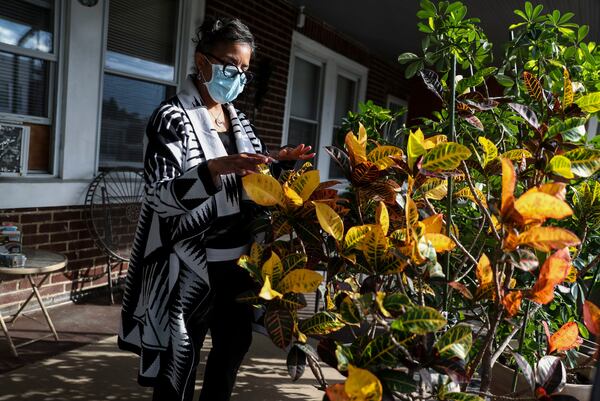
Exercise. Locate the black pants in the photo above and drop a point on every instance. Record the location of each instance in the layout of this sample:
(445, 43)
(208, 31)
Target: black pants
(230, 325)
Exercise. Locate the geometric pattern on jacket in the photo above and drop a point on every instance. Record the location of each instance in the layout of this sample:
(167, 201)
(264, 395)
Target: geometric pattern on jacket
(167, 280)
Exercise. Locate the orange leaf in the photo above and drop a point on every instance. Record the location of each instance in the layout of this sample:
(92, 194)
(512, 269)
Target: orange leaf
(546, 239)
(336, 392)
(566, 338)
(509, 180)
(539, 206)
(512, 302)
(591, 317)
(433, 224)
(511, 241)
(557, 189)
(484, 272)
(534, 87)
(440, 242)
(460, 287)
(553, 272)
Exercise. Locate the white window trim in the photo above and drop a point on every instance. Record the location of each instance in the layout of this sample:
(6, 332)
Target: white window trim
(55, 92)
(334, 64)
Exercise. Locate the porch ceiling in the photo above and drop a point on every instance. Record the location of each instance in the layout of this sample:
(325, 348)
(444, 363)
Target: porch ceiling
(388, 27)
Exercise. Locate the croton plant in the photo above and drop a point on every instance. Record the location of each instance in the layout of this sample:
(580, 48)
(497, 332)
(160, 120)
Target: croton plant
(439, 258)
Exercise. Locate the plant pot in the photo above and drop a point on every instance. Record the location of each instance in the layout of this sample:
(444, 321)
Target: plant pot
(503, 378)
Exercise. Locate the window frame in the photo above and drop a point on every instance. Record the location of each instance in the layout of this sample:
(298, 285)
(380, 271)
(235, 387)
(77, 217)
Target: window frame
(56, 84)
(175, 82)
(334, 64)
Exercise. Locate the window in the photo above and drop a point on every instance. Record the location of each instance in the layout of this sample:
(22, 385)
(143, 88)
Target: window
(322, 87)
(140, 71)
(395, 104)
(28, 65)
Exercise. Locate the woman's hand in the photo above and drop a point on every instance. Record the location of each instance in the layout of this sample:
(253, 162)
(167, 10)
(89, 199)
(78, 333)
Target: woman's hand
(240, 164)
(300, 152)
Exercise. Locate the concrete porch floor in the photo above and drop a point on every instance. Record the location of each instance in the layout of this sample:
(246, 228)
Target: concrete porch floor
(86, 363)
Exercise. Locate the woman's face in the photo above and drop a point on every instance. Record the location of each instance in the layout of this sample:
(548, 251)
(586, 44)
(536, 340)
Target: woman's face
(238, 54)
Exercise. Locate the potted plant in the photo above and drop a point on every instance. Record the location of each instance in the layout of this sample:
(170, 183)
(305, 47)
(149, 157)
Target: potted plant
(443, 255)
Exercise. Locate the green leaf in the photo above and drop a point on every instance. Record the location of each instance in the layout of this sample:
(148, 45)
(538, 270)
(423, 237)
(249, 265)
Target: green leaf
(245, 262)
(560, 165)
(589, 103)
(397, 381)
(379, 352)
(490, 150)
(296, 363)
(572, 129)
(413, 68)
(280, 325)
(396, 303)
(445, 156)
(321, 323)
(420, 320)
(407, 57)
(349, 311)
(456, 342)
(584, 161)
(293, 261)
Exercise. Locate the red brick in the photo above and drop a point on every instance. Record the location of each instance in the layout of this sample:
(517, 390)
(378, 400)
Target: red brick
(78, 225)
(64, 236)
(8, 286)
(10, 218)
(35, 239)
(28, 229)
(55, 247)
(70, 215)
(36, 217)
(90, 253)
(53, 227)
(81, 244)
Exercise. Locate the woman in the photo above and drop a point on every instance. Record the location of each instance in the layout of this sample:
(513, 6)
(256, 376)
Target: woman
(182, 278)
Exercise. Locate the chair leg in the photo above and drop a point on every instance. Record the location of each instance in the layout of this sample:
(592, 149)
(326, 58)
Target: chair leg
(13, 349)
(110, 283)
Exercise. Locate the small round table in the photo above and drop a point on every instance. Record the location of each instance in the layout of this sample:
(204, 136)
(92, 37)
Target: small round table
(38, 262)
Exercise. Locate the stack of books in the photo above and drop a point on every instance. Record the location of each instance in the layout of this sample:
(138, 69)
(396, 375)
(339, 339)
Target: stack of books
(11, 245)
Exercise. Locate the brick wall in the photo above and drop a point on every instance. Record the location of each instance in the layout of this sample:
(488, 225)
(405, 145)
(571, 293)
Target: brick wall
(62, 230)
(272, 23)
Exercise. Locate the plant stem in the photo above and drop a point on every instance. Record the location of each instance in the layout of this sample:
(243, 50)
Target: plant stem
(521, 340)
(452, 79)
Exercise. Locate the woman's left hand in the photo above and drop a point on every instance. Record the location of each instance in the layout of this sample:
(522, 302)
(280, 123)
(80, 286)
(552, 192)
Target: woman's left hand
(300, 152)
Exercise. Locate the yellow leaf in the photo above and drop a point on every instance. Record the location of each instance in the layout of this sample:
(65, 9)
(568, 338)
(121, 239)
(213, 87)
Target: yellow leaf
(556, 189)
(445, 156)
(434, 224)
(292, 198)
(382, 217)
(379, 297)
(467, 194)
(300, 281)
(375, 247)
(517, 155)
(411, 212)
(512, 302)
(568, 90)
(273, 268)
(546, 239)
(415, 146)
(356, 235)
(490, 150)
(357, 150)
(534, 87)
(431, 142)
(540, 206)
(267, 292)
(560, 165)
(440, 242)
(263, 189)
(434, 188)
(306, 184)
(256, 252)
(381, 156)
(362, 134)
(330, 221)
(362, 385)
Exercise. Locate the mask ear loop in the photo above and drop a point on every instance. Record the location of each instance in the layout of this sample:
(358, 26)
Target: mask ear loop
(200, 75)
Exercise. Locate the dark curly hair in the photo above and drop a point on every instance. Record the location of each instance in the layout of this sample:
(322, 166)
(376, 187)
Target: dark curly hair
(215, 31)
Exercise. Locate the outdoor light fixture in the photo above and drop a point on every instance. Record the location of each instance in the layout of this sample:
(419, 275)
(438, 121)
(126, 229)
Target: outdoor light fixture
(88, 3)
(301, 18)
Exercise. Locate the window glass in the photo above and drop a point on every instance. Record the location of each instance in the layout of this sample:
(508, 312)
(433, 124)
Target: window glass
(27, 24)
(23, 85)
(142, 37)
(126, 108)
(305, 90)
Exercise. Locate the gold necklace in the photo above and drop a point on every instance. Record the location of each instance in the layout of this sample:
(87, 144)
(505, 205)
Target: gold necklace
(218, 120)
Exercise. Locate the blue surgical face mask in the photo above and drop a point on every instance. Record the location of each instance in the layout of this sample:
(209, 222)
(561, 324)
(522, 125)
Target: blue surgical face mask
(223, 89)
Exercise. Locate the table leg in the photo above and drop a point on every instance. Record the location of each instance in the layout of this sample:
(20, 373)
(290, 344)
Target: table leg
(39, 298)
(24, 304)
(10, 343)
